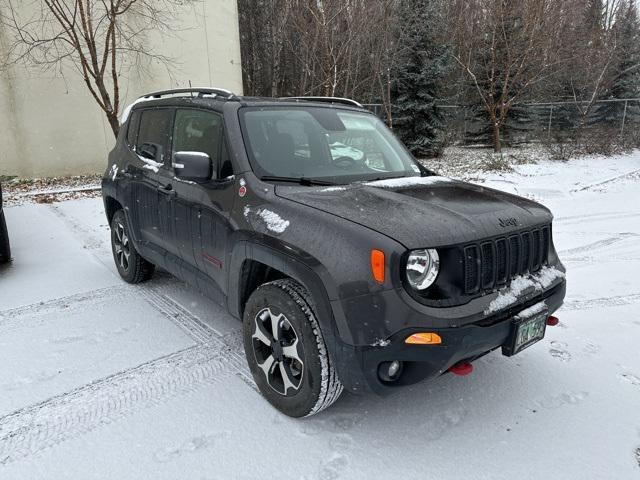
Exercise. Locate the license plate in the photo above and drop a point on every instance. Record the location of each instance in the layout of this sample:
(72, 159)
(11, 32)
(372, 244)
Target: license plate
(525, 332)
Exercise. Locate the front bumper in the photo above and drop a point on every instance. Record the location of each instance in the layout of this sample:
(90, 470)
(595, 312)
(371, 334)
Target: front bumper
(358, 365)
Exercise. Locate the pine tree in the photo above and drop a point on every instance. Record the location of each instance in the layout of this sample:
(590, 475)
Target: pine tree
(417, 79)
(625, 71)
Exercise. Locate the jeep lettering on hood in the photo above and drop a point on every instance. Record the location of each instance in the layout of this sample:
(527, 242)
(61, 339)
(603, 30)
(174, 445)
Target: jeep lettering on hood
(424, 214)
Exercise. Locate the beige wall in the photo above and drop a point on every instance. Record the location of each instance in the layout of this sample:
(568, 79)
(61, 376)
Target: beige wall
(50, 125)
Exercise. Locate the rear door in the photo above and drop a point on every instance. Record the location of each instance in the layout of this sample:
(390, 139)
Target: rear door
(149, 151)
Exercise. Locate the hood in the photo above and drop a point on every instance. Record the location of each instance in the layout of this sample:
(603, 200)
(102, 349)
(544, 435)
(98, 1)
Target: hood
(424, 212)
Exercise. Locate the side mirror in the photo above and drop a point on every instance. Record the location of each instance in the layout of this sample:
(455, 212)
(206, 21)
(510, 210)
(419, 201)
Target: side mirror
(151, 151)
(193, 166)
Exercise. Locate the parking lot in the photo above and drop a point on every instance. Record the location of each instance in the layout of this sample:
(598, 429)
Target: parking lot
(101, 379)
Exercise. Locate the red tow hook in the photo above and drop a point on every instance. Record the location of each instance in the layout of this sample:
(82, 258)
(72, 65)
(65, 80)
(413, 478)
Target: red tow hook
(553, 321)
(461, 369)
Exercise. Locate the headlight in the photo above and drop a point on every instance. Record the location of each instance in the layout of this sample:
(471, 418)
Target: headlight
(422, 268)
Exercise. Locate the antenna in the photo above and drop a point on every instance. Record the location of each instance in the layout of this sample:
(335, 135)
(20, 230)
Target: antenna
(191, 88)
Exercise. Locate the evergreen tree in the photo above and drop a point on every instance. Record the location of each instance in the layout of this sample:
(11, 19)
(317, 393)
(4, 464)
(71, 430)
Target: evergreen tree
(417, 79)
(625, 71)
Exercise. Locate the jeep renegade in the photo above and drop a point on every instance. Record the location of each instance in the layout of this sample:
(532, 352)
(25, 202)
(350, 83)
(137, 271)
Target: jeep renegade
(350, 264)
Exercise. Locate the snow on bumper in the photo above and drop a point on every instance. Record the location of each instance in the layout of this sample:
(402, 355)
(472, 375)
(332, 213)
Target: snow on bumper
(522, 284)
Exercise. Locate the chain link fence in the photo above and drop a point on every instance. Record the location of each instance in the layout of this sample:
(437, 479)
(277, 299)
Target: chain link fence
(615, 121)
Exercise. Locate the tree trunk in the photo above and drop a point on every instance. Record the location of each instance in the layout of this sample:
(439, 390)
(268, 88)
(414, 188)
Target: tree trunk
(497, 147)
(114, 122)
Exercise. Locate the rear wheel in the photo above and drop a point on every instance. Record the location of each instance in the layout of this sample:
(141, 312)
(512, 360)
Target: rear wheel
(131, 266)
(5, 249)
(286, 351)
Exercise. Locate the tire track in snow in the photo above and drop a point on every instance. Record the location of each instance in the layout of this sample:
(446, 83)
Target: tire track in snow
(605, 242)
(62, 302)
(89, 239)
(603, 302)
(66, 416)
(606, 181)
(596, 217)
(37, 427)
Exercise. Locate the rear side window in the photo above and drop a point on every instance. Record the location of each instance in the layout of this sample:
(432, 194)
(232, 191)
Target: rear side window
(198, 131)
(155, 129)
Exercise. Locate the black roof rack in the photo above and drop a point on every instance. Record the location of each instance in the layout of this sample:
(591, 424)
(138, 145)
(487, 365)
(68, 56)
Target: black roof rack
(201, 92)
(346, 101)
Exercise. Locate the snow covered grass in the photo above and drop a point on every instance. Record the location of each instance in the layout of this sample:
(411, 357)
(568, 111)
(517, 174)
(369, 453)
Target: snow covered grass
(101, 379)
(470, 162)
(17, 191)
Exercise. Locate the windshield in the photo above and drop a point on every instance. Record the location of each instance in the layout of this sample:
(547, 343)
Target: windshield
(323, 143)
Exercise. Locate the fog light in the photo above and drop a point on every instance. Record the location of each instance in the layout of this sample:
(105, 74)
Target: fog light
(390, 371)
(394, 368)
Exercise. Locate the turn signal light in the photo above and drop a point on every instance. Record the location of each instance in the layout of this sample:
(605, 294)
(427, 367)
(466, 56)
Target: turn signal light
(377, 265)
(424, 338)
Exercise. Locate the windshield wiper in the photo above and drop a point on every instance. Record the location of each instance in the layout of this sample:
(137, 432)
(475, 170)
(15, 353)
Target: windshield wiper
(299, 180)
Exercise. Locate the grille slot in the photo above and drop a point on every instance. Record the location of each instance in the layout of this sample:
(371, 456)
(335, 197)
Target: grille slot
(488, 265)
(514, 255)
(536, 250)
(526, 252)
(502, 257)
(471, 269)
(493, 263)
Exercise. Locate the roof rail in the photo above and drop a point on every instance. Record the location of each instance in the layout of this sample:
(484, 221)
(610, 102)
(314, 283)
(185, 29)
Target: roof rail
(201, 92)
(346, 101)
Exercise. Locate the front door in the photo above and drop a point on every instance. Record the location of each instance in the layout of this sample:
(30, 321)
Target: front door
(202, 210)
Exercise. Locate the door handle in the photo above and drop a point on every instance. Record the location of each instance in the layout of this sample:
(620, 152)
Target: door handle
(167, 190)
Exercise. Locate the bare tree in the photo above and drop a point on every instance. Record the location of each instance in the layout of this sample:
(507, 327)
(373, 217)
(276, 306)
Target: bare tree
(100, 39)
(506, 47)
(319, 47)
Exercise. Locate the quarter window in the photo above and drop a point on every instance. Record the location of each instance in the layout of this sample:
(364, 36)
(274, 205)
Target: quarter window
(132, 131)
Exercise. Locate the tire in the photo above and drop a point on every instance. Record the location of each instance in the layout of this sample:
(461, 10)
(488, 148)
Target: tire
(131, 266)
(312, 381)
(5, 249)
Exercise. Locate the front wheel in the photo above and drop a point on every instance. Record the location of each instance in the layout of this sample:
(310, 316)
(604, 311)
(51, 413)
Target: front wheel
(286, 351)
(131, 266)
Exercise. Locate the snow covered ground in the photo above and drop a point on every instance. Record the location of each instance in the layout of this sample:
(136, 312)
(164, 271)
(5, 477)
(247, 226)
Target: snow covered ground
(100, 379)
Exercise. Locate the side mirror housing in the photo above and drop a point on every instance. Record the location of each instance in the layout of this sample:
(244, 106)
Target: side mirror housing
(196, 166)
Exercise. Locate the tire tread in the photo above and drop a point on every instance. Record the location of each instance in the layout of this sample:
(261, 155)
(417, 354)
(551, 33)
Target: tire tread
(331, 387)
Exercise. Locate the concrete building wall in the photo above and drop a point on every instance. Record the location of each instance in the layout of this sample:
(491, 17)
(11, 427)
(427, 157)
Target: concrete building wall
(51, 126)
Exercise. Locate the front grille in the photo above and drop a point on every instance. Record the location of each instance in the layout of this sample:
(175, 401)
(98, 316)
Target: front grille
(493, 263)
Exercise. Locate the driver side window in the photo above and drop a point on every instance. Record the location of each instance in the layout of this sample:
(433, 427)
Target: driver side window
(200, 131)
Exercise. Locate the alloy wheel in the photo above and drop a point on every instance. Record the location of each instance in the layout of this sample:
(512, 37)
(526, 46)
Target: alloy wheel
(277, 350)
(122, 247)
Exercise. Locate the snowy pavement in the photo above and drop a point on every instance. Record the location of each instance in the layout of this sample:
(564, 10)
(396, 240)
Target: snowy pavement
(100, 379)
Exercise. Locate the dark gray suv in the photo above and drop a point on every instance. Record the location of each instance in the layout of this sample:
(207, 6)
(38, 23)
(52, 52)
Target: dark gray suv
(350, 264)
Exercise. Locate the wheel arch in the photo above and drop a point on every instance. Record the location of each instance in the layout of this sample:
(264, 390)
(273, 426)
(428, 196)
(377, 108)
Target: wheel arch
(253, 264)
(111, 206)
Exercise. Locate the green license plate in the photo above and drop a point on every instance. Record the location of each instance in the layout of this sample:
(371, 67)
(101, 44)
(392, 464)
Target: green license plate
(525, 332)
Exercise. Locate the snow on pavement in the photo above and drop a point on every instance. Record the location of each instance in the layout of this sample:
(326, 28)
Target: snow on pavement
(105, 380)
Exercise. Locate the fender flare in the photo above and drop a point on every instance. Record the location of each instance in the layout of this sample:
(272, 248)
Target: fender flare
(317, 281)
